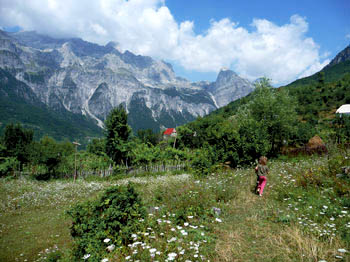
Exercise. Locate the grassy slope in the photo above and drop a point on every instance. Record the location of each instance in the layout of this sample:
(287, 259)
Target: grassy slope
(271, 228)
(256, 229)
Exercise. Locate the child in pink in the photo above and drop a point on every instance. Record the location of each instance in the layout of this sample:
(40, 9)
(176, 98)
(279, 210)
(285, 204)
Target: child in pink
(261, 171)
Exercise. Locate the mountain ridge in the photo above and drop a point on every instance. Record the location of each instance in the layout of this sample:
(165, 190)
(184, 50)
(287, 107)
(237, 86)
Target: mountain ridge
(67, 74)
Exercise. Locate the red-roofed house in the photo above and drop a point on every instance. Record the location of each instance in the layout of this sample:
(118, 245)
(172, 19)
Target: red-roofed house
(169, 132)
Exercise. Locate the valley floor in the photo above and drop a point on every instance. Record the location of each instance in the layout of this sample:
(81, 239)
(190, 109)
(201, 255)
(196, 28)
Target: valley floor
(289, 223)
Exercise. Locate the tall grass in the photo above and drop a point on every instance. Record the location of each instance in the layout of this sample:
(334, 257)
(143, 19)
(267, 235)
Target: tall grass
(303, 216)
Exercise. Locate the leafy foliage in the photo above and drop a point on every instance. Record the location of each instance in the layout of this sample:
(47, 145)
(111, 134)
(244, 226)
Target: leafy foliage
(259, 126)
(53, 156)
(17, 141)
(148, 136)
(97, 146)
(8, 165)
(117, 134)
(342, 127)
(115, 215)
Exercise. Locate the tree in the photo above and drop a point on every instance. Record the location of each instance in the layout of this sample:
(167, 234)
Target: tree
(147, 136)
(117, 135)
(97, 146)
(17, 141)
(52, 155)
(275, 111)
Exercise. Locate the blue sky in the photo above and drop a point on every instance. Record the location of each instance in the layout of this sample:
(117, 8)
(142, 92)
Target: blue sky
(283, 40)
(329, 20)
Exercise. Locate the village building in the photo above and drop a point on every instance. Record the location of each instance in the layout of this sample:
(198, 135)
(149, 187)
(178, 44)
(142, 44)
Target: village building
(169, 132)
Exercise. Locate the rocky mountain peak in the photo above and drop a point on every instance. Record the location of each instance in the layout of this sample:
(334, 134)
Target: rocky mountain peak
(225, 75)
(90, 79)
(341, 57)
(114, 45)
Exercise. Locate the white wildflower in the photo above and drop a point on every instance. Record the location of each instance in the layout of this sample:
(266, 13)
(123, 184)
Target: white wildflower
(111, 248)
(172, 239)
(184, 233)
(171, 256)
(86, 256)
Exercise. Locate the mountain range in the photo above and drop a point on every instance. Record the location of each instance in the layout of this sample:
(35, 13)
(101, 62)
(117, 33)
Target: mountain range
(82, 80)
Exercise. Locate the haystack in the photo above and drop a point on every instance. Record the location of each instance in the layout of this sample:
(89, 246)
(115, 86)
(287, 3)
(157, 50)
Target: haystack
(316, 146)
(315, 142)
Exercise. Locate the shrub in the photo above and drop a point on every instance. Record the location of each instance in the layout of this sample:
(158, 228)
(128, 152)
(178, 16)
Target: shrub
(8, 165)
(202, 161)
(115, 215)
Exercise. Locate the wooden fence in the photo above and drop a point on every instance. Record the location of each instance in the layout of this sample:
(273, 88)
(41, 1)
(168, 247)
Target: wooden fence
(133, 170)
(176, 166)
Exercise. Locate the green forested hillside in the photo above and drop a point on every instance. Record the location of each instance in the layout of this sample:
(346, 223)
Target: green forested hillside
(269, 119)
(317, 98)
(318, 95)
(18, 103)
(331, 74)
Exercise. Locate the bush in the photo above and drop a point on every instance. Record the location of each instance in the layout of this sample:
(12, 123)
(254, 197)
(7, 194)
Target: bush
(8, 165)
(202, 161)
(115, 215)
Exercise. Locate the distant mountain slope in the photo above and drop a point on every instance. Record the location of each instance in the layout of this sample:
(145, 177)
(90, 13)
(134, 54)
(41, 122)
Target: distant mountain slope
(318, 95)
(334, 71)
(343, 56)
(18, 103)
(88, 79)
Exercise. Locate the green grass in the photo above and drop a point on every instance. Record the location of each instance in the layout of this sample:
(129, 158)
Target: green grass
(33, 215)
(289, 223)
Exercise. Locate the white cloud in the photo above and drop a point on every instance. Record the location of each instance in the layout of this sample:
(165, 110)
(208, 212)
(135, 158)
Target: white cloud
(347, 36)
(280, 52)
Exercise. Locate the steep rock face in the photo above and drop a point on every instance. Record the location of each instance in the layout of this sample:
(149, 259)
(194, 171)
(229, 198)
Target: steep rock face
(89, 79)
(229, 87)
(99, 101)
(341, 57)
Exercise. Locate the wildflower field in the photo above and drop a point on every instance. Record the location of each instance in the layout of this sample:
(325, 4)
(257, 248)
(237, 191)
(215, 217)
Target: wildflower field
(304, 215)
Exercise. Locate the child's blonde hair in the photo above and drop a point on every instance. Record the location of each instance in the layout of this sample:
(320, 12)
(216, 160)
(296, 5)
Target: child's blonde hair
(263, 160)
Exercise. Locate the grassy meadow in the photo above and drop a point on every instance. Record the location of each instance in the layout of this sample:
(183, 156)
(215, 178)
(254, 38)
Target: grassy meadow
(302, 216)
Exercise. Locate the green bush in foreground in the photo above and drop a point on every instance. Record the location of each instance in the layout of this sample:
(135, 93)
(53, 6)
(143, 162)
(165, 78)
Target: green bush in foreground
(113, 216)
(8, 165)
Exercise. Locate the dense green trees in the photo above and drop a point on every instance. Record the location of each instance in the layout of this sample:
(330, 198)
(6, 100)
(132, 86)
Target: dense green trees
(17, 142)
(274, 112)
(148, 136)
(97, 146)
(259, 126)
(342, 127)
(117, 135)
(52, 157)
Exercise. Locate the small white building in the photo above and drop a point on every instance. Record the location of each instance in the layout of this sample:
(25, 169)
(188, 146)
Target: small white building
(344, 109)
